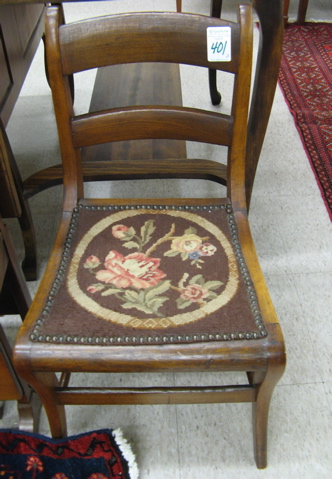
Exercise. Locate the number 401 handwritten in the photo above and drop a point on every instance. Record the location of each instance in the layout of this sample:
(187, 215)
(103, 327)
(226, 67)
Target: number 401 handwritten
(219, 47)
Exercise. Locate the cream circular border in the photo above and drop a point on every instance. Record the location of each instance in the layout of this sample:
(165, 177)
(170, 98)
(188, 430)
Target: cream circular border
(151, 323)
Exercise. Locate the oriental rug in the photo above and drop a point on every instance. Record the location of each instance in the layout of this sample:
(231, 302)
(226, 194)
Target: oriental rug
(306, 80)
(102, 454)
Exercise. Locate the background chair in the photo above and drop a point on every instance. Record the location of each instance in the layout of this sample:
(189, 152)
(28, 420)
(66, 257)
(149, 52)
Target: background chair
(14, 299)
(13, 204)
(151, 285)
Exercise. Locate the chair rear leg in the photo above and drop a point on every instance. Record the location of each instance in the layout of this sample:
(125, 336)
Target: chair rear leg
(265, 382)
(29, 412)
(44, 385)
(29, 264)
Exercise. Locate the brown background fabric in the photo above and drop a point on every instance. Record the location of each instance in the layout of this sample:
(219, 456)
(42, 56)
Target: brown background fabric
(70, 320)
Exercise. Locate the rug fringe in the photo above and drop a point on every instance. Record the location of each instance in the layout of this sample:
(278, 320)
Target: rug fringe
(127, 453)
(293, 19)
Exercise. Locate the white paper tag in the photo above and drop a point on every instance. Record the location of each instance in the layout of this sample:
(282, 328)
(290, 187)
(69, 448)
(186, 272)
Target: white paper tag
(219, 44)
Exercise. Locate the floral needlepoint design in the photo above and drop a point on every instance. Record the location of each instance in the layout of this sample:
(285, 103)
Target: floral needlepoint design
(121, 231)
(134, 270)
(138, 274)
(92, 262)
(138, 279)
(197, 291)
(190, 246)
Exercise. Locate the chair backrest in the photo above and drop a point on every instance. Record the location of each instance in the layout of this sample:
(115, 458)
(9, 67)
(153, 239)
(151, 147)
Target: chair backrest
(148, 37)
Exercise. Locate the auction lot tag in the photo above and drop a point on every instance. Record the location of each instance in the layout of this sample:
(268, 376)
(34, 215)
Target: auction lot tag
(219, 44)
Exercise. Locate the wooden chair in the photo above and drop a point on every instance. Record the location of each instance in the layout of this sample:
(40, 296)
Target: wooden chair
(14, 299)
(13, 204)
(151, 285)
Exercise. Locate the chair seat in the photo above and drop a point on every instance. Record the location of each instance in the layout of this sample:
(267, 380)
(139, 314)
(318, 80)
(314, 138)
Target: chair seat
(154, 273)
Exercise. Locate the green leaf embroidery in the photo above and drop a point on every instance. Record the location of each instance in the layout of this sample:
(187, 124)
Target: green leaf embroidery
(147, 230)
(131, 296)
(97, 286)
(183, 303)
(128, 235)
(211, 285)
(156, 290)
(171, 252)
(213, 295)
(191, 231)
(198, 279)
(141, 296)
(91, 265)
(110, 291)
(156, 303)
(131, 244)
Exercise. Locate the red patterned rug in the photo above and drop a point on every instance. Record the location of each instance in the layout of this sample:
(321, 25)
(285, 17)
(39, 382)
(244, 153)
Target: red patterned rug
(100, 454)
(306, 80)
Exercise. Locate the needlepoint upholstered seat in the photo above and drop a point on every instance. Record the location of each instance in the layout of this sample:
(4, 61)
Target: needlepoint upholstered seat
(152, 285)
(151, 274)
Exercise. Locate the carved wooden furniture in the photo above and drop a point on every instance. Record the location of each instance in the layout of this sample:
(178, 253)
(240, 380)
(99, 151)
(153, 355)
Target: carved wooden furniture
(151, 285)
(14, 299)
(13, 204)
(21, 30)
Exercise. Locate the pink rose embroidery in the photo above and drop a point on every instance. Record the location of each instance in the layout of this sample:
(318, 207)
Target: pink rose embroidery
(119, 231)
(93, 288)
(194, 293)
(92, 262)
(135, 270)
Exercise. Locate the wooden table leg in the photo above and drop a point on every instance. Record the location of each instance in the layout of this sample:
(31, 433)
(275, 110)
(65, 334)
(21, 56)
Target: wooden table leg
(270, 13)
(286, 8)
(216, 6)
(302, 11)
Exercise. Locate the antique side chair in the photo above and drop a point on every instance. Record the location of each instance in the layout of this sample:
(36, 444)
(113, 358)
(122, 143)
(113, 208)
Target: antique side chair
(152, 285)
